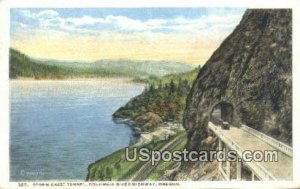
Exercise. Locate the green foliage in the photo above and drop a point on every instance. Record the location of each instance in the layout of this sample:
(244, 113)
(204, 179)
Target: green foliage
(21, 66)
(159, 170)
(148, 121)
(116, 167)
(165, 97)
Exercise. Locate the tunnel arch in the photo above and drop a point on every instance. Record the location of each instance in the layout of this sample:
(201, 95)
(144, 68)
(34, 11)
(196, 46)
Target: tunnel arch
(222, 111)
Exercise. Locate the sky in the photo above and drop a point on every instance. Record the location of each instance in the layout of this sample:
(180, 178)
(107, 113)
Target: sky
(187, 35)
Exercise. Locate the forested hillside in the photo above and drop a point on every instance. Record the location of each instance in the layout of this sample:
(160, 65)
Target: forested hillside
(22, 66)
(164, 99)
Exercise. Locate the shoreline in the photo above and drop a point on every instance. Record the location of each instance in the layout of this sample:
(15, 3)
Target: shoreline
(136, 133)
(162, 132)
(113, 79)
(68, 78)
(165, 132)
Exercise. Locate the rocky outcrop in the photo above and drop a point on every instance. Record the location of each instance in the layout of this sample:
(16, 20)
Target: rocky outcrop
(147, 121)
(250, 74)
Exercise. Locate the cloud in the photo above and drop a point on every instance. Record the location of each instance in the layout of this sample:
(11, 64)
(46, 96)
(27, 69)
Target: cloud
(21, 25)
(28, 13)
(85, 20)
(48, 14)
(50, 34)
(51, 19)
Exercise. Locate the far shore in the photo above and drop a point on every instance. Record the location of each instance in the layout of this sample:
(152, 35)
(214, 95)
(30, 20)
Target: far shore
(124, 79)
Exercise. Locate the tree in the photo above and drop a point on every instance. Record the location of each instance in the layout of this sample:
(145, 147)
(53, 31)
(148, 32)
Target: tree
(151, 89)
(172, 86)
(159, 85)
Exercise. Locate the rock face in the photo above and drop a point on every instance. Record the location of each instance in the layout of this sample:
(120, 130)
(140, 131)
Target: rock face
(249, 78)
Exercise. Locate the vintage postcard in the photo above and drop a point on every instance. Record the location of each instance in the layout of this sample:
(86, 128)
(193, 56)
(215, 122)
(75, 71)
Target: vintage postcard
(149, 95)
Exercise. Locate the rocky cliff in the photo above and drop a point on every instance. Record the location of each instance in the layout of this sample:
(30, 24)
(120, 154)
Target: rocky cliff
(249, 76)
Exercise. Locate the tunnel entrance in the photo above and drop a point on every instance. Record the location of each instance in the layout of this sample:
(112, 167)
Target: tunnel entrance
(222, 112)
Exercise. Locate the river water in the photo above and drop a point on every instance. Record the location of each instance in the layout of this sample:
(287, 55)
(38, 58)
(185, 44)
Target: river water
(59, 127)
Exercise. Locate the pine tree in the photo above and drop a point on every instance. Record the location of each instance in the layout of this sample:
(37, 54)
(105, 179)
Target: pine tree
(172, 86)
(159, 85)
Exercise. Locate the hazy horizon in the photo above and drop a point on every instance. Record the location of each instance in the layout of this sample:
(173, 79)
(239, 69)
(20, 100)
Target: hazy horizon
(187, 35)
(94, 61)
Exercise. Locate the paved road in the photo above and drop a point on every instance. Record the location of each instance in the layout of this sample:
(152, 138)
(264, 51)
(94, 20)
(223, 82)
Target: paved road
(281, 170)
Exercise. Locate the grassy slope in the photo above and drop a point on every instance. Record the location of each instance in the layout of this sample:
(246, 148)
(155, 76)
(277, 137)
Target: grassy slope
(116, 167)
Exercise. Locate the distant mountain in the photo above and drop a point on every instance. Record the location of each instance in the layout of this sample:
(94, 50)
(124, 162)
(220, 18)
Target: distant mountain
(22, 65)
(140, 68)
